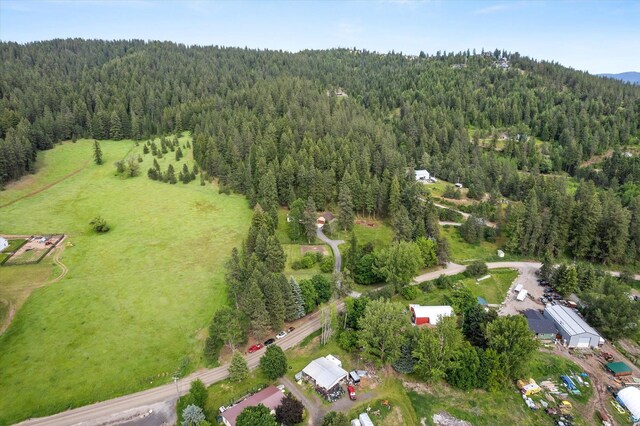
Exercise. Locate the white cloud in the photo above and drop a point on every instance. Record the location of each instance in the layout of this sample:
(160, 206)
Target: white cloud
(499, 7)
(349, 29)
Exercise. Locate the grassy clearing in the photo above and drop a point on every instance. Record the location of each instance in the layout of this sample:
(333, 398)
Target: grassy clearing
(226, 391)
(20, 280)
(380, 235)
(292, 251)
(390, 389)
(493, 289)
(463, 252)
(51, 166)
(135, 300)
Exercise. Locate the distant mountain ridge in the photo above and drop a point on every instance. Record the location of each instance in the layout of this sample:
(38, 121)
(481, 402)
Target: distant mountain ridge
(628, 77)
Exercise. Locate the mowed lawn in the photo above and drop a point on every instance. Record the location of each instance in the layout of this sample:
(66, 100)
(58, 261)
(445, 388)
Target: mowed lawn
(136, 300)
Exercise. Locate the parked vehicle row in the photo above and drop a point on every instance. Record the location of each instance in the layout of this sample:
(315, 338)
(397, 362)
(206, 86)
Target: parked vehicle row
(258, 346)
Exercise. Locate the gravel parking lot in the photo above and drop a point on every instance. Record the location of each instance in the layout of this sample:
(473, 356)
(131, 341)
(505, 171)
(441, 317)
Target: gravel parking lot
(529, 281)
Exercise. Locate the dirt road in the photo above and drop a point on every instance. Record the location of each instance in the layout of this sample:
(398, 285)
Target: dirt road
(44, 188)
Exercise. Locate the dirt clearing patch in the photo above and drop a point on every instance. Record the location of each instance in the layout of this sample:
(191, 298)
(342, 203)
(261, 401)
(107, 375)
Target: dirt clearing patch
(445, 419)
(316, 249)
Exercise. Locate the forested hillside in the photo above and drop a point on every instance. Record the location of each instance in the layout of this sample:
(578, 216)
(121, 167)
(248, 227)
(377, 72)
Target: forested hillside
(278, 127)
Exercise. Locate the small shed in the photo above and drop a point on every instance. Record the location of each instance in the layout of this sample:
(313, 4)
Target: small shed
(429, 314)
(325, 217)
(619, 369)
(365, 420)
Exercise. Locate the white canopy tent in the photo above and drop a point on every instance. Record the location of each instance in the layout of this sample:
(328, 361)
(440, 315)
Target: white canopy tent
(630, 398)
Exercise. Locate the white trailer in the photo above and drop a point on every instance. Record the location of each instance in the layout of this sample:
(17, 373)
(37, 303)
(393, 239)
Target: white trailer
(518, 288)
(521, 295)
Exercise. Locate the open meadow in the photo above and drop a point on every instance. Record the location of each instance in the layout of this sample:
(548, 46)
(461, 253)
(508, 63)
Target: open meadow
(135, 304)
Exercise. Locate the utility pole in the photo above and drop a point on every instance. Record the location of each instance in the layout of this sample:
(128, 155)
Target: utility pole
(175, 380)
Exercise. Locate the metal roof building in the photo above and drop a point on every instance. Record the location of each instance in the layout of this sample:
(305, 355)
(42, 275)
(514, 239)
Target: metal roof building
(543, 328)
(574, 330)
(619, 369)
(324, 372)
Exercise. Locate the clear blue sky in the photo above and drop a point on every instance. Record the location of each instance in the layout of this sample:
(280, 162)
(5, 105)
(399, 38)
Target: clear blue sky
(594, 36)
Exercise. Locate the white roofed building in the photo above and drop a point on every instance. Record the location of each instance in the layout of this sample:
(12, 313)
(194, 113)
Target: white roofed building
(429, 314)
(422, 175)
(324, 372)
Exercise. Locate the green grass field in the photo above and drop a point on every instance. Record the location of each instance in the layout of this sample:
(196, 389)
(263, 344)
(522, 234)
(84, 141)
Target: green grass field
(463, 252)
(380, 235)
(493, 289)
(135, 301)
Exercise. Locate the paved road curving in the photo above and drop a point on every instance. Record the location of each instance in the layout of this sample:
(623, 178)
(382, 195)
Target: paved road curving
(334, 248)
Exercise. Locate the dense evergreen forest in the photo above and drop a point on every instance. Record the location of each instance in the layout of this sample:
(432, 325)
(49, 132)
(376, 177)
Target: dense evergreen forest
(346, 127)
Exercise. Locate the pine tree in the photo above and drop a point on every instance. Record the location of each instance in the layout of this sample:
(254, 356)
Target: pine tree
(186, 175)
(115, 131)
(405, 363)
(256, 311)
(171, 175)
(346, 214)
(402, 226)
(238, 368)
(178, 154)
(97, 153)
(275, 258)
(298, 300)
(310, 220)
(274, 302)
(235, 276)
(394, 197)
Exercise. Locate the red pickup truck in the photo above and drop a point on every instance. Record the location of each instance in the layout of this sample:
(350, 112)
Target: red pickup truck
(352, 393)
